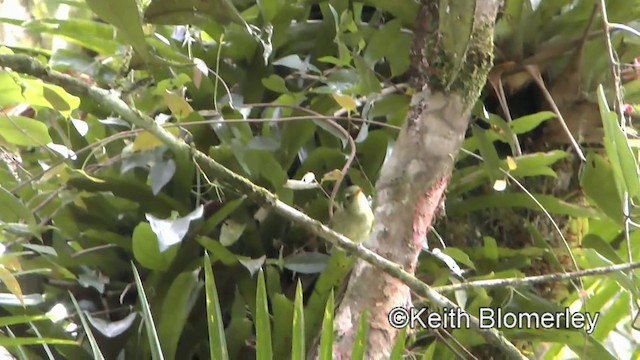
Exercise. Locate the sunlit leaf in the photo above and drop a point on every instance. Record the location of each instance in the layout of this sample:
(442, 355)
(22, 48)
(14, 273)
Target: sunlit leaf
(345, 101)
(172, 231)
(146, 141)
(179, 107)
(12, 284)
(20, 130)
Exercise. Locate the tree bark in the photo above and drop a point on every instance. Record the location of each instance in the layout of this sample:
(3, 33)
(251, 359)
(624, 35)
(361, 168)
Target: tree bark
(451, 56)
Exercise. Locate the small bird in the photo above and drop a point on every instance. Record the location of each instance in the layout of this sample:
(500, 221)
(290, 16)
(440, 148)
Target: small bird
(355, 218)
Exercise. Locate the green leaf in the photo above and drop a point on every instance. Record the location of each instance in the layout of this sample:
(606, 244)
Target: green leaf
(597, 260)
(576, 340)
(283, 314)
(490, 248)
(298, 350)
(306, 262)
(389, 42)
(11, 92)
(536, 164)
(403, 10)
(596, 174)
(146, 249)
(372, 152)
(369, 83)
(126, 17)
(262, 164)
(455, 31)
(360, 341)
(212, 222)
(326, 337)
(615, 313)
(193, 11)
(525, 124)
(459, 256)
(625, 166)
(37, 93)
(268, 9)
(398, 348)
(21, 319)
(11, 283)
(275, 83)
(176, 307)
(488, 153)
(240, 329)
(263, 324)
(602, 247)
(217, 341)
(218, 252)
(126, 188)
(294, 136)
(150, 327)
(12, 209)
(329, 280)
(23, 341)
(93, 35)
(23, 131)
(505, 201)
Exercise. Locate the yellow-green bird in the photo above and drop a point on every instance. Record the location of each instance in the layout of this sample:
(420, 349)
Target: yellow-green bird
(355, 218)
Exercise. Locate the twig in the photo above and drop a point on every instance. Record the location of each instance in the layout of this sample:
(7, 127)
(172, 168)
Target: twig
(537, 78)
(530, 280)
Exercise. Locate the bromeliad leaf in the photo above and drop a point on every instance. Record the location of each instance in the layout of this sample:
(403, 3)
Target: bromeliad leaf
(160, 174)
(111, 329)
(172, 231)
(231, 232)
(253, 265)
(306, 262)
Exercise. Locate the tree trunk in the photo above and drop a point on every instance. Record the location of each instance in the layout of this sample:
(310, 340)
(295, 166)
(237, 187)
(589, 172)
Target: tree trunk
(451, 56)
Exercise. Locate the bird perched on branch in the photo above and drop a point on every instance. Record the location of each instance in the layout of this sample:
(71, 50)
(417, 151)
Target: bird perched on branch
(355, 218)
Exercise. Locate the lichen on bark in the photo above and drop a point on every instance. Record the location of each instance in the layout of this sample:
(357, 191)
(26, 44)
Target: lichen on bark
(450, 60)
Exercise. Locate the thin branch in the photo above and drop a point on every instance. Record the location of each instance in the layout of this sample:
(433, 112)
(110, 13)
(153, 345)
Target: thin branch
(341, 130)
(534, 72)
(530, 280)
(109, 100)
